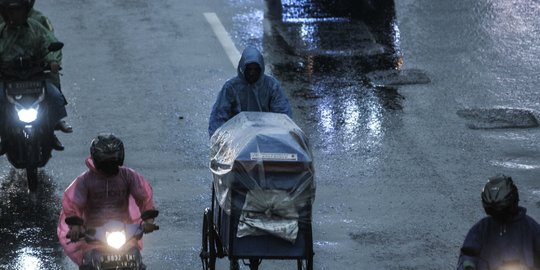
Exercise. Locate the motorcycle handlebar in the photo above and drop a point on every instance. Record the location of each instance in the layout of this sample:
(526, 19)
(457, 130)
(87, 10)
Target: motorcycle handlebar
(87, 236)
(25, 68)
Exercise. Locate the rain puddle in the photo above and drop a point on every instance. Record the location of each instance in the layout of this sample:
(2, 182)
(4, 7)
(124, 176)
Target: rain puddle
(515, 165)
(369, 237)
(28, 224)
(324, 244)
(524, 163)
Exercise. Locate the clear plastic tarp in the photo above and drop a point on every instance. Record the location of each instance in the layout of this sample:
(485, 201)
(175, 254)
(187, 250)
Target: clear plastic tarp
(262, 167)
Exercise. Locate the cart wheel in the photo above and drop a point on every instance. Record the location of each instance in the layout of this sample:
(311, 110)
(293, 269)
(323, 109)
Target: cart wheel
(254, 264)
(235, 265)
(306, 264)
(208, 251)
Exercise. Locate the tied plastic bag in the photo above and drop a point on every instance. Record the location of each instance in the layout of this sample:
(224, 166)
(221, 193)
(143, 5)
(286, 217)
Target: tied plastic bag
(269, 212)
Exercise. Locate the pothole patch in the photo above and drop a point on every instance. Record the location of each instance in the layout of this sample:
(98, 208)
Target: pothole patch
(369, 237)
(393, 77)
(498, 118)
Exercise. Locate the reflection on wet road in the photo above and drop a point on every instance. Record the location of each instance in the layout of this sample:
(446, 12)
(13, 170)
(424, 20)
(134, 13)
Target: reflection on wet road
(346, 28)
(382, 160)
(335, 96)
(331, 49)
(28, 224)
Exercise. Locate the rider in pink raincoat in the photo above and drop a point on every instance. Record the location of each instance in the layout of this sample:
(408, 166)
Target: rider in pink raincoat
(107, 191)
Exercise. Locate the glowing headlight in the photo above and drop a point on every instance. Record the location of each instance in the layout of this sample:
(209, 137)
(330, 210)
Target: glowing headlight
(27, 115)
(513, 266)
(116, 239)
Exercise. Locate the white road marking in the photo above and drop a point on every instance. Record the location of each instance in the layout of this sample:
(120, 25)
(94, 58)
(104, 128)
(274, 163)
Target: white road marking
(223, 37)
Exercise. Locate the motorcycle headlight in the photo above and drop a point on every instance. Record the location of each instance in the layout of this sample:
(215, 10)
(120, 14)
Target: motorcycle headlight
(27, 115)
(116, 239)
(513, 266)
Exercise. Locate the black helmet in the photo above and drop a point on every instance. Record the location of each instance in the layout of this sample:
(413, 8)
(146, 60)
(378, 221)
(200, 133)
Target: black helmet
(6, 5)
(107, 152)
(500, 197)
(28, 4)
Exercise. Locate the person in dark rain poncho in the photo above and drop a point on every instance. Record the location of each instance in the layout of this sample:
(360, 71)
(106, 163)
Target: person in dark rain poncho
(251, 90)
(507, 237)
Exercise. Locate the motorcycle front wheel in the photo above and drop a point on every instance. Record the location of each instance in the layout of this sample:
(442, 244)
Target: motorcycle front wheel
(32, 178)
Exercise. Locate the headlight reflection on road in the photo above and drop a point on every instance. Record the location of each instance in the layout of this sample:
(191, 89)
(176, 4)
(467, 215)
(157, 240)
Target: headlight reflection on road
(308, 35)
(365, 116)
(27, 260)
(353, 120)
(326, 117)
(351, 116)
(374, 122)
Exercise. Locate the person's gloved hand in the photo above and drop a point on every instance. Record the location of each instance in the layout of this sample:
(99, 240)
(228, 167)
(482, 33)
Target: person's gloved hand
(148, 225)
(469, 265)
(55, 67)
(74, 233)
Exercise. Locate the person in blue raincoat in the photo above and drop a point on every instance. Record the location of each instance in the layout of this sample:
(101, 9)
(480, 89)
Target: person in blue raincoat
(507, 237)
(250, 90)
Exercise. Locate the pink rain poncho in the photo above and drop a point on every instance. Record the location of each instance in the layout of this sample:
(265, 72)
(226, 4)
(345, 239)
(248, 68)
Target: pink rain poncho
(97, 199)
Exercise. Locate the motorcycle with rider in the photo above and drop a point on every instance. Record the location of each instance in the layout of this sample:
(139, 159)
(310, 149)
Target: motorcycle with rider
(507, 239)
(32, 107)
(110, 206)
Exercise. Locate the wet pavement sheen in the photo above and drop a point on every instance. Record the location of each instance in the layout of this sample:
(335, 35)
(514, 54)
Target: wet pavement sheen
(409, 107)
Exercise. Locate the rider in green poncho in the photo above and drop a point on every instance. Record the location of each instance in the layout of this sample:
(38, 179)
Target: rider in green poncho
(24, 38)
(45, 22)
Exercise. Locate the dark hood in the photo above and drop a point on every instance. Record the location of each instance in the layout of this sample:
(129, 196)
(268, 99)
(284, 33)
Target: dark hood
(519, 216)
(249, 56)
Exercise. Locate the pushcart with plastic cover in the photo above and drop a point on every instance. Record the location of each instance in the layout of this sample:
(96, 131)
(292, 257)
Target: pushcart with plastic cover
(262, 195)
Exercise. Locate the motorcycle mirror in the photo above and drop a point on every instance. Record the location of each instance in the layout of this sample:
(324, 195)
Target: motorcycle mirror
(55, 46)
(74, 220)
(149, 214)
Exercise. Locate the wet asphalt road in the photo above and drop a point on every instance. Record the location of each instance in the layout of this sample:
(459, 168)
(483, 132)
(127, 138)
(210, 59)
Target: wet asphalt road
(399, 168)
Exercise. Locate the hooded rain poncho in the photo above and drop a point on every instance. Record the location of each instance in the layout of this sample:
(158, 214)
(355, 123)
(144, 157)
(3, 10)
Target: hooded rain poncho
(97, 199)
(237, 95)
(490, 243)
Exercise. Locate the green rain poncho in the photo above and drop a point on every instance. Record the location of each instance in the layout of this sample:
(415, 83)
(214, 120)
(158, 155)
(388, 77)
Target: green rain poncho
(29, 41)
